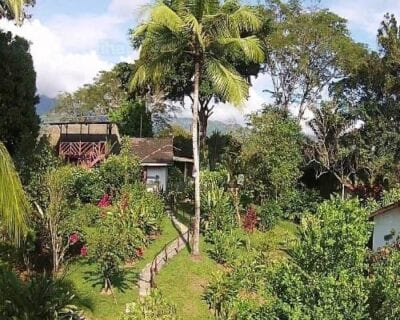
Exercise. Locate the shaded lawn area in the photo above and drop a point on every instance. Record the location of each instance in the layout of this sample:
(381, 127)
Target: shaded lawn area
(183, 280)
(103, 307)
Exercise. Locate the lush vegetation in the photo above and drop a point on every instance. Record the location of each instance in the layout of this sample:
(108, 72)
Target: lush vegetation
(278, 211)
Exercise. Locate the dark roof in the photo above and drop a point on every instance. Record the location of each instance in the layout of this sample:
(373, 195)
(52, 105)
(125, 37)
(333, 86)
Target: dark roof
(153, 150)
(59, 120)
(385, 209)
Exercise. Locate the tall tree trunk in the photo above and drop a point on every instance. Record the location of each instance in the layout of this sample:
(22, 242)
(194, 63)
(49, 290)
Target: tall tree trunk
(196, 160)
(203, 122)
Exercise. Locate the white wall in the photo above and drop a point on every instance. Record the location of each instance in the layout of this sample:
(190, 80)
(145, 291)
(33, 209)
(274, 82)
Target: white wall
(161, 173)
(384, 225)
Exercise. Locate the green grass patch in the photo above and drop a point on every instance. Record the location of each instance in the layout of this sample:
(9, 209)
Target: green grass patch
(275, 241)
(88, 291)
(183, 281)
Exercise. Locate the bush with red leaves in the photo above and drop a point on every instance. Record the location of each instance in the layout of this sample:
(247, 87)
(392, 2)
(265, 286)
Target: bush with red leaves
(105, 201)
(250, 220)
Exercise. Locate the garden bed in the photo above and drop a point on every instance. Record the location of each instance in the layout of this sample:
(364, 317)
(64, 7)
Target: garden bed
(107, 307)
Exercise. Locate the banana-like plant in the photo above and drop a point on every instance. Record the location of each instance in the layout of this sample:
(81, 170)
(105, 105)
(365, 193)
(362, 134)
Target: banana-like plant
(13, 203)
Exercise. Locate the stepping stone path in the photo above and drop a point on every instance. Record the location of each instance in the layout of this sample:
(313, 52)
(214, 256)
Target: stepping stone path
(146, 277)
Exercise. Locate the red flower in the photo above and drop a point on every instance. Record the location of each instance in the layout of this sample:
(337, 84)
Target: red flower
(84, 251)
(139, 252)
(73, 238)
(104, 201)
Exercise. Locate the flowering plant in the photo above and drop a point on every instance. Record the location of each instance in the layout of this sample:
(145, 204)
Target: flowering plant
(105, 201)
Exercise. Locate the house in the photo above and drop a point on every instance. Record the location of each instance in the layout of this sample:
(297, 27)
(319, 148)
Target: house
(156, 156)
(386, 225)
(85, 141)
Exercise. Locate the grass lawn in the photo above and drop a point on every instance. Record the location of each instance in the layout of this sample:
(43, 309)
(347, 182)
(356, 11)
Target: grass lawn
(183, 280)
(103, 307)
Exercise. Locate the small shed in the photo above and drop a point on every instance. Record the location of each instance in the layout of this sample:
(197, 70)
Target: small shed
(156, 155)
(386, 225)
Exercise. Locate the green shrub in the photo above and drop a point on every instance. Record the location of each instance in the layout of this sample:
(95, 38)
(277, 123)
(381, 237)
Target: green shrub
(123, 231)
(296, 202)
(217, 209)
(390, 196)
(269, 214)
(225, 245)
(41, 298)
(218, 178)
(118, 171)
(153, 307)
(89, 187)
(107, 249)
(178, 188)
(87, 215)
(146, 208)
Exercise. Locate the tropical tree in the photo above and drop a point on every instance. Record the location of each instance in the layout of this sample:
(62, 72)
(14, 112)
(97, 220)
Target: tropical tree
(271, 155)
(203, 32)
(19, 123)
(13, 203)
(306, 51)
(332, 150)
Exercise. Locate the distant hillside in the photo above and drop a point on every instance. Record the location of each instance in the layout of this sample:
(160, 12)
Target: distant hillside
(213, 125)
(45, 105)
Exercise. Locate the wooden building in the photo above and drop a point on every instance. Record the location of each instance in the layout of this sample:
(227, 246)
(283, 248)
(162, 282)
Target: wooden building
(86, 141)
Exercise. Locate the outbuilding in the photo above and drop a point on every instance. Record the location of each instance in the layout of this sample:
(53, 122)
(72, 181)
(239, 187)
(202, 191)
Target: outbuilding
(156, 156)
(386, 225)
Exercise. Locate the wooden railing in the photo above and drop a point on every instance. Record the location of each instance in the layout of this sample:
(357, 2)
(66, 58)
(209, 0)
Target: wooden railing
(84, 153)
(171, 249)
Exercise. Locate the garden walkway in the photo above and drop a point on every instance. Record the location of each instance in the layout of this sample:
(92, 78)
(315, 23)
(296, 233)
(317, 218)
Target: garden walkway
(147, 275)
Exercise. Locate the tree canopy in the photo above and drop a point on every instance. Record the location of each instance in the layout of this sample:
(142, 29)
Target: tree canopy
(19, 123)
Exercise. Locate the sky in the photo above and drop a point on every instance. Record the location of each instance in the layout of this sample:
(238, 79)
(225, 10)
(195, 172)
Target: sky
(72, 40)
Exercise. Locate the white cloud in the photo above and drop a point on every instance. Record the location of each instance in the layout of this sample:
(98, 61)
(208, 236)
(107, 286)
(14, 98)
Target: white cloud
(228, 113)
(86, 32)
(57, 68)
(128, 8)
(69, 50)
(365, 15)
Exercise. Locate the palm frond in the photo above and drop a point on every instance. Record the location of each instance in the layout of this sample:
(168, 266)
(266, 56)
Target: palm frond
(227, 81)
(162, 15)
(246, 19)
(162, 41)
(196, 28)
(250, 46)
(233, 24)
(199, 8)
(13, 203)
(140, 30)
(147, 73)
(16, 8)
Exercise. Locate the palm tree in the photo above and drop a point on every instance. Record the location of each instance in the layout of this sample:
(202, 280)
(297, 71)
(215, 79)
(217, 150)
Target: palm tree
(13, 203)
(206, 33)
(14, 9)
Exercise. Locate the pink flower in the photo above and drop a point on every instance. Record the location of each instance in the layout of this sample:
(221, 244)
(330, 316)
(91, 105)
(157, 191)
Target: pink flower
(73, 238)
(104, 201)
(84, 251)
